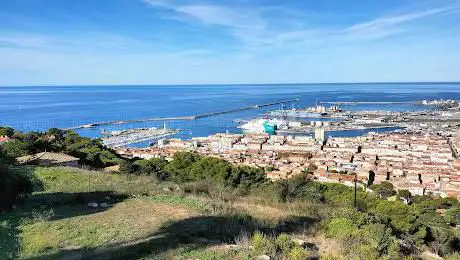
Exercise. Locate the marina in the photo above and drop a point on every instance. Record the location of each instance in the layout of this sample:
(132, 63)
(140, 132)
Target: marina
(117, 139)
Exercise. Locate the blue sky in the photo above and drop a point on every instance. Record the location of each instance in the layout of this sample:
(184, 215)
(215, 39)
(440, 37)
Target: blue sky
(68, 42)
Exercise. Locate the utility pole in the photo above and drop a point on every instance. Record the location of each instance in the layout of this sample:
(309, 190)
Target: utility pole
(355, 193)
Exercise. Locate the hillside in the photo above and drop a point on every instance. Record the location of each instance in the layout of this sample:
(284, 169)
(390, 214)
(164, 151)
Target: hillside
(145, 218)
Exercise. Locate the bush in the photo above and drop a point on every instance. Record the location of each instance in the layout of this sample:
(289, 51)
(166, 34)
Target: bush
(191, 167)
(296, 188)
(377, 236)
(14, 185)
(297, 253)
(127, 167)
(153, 167)
(443, 241)
(453, 216)
(402, 216)
(198, 188)
(284, 243)
(263, 244)
(384, 189)
(16, 148)
(6, 131)
(281, 247)
(341, 228)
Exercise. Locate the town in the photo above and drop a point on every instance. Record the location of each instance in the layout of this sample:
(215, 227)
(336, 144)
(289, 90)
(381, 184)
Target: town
(421, 163)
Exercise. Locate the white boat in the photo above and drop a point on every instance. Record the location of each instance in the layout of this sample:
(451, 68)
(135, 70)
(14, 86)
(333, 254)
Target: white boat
(257, 125)
(254, 126)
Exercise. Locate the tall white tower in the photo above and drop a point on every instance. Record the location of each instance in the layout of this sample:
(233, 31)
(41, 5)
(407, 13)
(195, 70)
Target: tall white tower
(319, 134)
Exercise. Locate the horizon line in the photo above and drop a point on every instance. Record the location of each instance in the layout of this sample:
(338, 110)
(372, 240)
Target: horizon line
(238, 84)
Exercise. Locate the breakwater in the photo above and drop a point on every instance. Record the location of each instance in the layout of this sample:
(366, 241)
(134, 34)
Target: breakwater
(367, 102)
(193, 117)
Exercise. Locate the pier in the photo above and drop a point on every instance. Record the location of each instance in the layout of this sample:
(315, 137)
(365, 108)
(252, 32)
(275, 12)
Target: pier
(245, 108)
(310, 131)
(367, 102)
(120, 122)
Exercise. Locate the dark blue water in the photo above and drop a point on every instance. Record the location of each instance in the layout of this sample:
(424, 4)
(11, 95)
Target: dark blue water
(39, 108)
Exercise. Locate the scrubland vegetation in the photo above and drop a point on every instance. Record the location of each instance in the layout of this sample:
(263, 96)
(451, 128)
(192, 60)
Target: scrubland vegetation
(196, 207)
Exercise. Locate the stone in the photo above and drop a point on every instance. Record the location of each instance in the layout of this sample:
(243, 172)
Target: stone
(263, 257)
(233, 247)
(92, 205)
(104, 205)
(299, 242)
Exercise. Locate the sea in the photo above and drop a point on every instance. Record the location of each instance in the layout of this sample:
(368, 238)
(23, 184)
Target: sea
(39, 108)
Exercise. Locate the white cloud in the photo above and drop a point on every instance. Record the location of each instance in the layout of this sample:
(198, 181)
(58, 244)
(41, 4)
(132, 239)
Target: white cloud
(252, 26)
(23, 40)
(212, 14)
(246, 24)
(395, 20)
(275, 44)
(77, 42)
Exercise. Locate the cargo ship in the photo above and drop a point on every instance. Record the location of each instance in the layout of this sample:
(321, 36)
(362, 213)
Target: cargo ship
(270, 128)
(264, 125)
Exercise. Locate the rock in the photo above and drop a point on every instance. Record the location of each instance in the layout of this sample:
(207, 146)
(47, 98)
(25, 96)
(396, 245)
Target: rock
(104, 205)
(310, 246)
(166, 189)
(299, 242)
(233, 247)
(430, 255)
(92, 205)
(263, 257)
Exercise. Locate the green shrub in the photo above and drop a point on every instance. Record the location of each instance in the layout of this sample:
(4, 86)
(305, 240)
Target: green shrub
(14, 185)
(6, 131)
(297, 253)
(453, 216)
(341, 228)
(127, 167)
(364, 251)
(443, 240)
(377, 236)
(263, 244)
(153, 167)
(16, 148)
(402, 216)
(284, 243)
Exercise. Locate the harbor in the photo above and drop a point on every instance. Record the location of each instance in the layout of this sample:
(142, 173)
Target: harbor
(333, 120)
(117, 139)
(194, 117)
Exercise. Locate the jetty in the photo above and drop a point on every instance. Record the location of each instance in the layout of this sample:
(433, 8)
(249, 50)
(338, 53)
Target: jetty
(367, 102)
(355, 128)
(180, 118)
